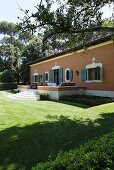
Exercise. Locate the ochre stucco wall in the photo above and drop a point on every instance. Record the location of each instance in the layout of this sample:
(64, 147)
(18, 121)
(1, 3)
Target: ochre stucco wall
(78, 60)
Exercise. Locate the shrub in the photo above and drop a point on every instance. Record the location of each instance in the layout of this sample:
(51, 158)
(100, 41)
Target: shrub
(15, 91)
(94, 155)
(44, 96)
(87, 100)
(6, 76)
(8, 86)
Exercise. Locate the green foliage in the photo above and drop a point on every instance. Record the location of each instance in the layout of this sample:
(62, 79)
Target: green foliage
(15, 91)
(6, 76)
(16, 50)
(33, 49)
(107, 23)
(94, 155)
(66, 25)
(24, 73)
(69, 16)
(87, 100)
(8, 86)
(44, 96)
(8, 28)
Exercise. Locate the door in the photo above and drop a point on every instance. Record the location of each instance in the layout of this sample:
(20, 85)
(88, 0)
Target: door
(56, 76)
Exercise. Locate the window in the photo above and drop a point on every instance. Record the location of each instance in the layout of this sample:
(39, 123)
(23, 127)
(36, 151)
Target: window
(68, 75)
(92, 73)
(45, 77)
(35, 78)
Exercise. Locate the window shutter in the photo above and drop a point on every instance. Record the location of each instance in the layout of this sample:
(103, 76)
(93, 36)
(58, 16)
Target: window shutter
(98, 73)
(38, 78)
(60, 75)
(32, 78)
(51, 77)
(44, 77)
(84, 74)
(70, 75)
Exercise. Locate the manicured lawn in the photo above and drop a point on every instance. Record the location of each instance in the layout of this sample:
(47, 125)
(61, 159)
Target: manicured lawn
(31, 131)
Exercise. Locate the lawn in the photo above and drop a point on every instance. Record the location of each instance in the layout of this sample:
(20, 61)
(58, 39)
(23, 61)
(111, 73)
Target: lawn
(33, 131)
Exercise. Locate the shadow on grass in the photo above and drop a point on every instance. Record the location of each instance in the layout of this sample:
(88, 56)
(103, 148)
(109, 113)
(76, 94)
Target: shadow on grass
(83, 106)
(23, 147)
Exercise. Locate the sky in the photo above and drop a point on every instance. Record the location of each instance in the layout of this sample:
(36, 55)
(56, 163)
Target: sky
(9, 9)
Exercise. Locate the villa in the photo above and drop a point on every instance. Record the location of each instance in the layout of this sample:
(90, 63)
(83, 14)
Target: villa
(76, 71)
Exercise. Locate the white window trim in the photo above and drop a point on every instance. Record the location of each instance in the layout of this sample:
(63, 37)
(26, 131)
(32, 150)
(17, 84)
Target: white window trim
(35, 74)
(48, 77)
(94, 65)
(65, 75)
(55, 67)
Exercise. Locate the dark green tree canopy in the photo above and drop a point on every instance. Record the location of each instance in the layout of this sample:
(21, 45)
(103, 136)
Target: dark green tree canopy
(70, 16)
(16, 49)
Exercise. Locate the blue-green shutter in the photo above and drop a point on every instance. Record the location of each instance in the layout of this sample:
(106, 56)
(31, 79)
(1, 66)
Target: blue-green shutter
(60, 75)
(70, 75)
(84, 74)
(38, 78)
(98, 70)
(51, 76)
(44, 77)
(32, 78)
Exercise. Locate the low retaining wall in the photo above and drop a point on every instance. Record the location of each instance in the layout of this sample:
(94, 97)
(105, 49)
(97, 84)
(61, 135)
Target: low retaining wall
(56, 92)
(23, 87)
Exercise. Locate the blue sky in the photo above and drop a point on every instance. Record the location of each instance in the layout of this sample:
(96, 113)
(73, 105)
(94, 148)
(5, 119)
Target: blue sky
(9, 10)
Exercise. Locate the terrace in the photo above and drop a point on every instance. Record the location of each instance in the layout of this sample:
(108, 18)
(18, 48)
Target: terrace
(54, 91)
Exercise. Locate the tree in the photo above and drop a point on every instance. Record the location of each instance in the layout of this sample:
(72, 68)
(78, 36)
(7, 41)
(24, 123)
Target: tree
(31, 52)
(11, 50)
(17, 48)
(10, 29)
(71, 16)
(33, 49)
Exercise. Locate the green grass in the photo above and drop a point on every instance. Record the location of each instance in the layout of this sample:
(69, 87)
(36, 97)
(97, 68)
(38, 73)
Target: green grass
(31, 131)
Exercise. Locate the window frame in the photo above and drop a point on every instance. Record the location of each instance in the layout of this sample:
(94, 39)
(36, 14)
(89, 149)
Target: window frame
(94, 66)
(48, 77)
(35, 77)
(66, 75)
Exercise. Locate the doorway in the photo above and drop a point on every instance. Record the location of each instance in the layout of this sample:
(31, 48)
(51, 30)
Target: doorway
(56, 76)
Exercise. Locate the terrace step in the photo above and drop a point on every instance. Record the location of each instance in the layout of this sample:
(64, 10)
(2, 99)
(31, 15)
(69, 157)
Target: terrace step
(29, 94)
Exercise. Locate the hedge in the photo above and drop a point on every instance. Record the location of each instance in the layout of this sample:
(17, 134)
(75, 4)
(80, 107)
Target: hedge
(94, 155)
(44, 96)
(8, 86)
(87, 100)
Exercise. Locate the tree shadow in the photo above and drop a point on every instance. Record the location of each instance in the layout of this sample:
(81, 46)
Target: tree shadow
(24, 147)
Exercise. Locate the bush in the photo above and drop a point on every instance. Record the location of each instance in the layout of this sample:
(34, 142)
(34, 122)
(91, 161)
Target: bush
(15, 91)
(87, 100)
(6, 76)
(44, 96)
(94, 155)
(8, 86)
